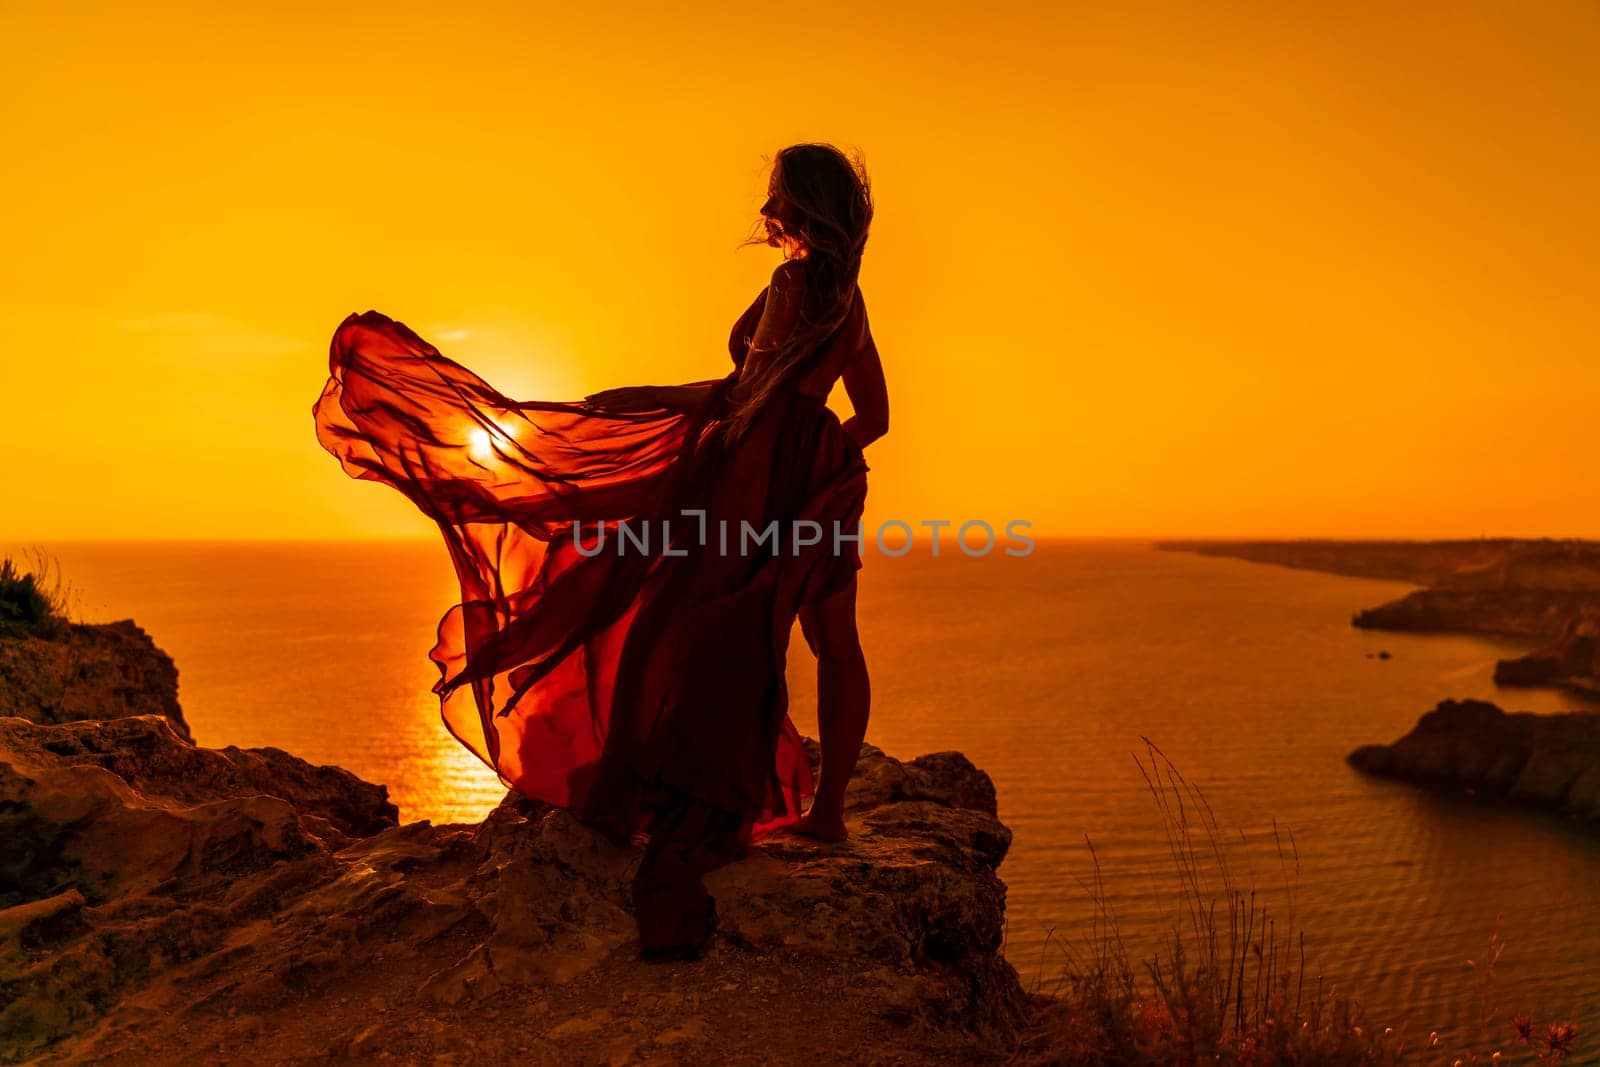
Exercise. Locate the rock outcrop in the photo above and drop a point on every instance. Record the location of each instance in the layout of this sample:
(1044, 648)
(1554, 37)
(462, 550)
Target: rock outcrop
(1549, 760)
(1511, 612)
(1546, 589)
(95, 671)
(165, 903)
(1571, 660)
(128, 848)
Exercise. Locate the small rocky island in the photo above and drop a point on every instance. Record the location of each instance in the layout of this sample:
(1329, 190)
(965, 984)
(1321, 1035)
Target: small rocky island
(1545, 589)
(162, 902)
(1550, 761)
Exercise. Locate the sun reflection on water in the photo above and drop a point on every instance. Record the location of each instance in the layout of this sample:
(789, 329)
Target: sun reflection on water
(444, 781)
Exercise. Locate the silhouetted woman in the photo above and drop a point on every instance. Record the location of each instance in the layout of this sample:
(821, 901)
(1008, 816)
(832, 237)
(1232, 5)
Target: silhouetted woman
(631, 566)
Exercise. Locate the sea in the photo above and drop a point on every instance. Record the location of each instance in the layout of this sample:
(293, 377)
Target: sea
(1120, 697)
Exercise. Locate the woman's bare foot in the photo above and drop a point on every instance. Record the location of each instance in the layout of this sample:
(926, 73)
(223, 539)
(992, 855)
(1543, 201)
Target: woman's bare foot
(822, 827)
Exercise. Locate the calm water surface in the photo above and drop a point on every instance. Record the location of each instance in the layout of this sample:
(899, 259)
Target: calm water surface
(1047, 671)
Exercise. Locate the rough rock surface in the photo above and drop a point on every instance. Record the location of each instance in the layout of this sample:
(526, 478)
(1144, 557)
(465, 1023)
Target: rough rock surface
(1549, 760)
(164, 903)
(97, 671)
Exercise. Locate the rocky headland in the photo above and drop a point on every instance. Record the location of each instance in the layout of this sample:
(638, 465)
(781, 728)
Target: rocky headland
(163, 902)
(1551, 761)
(88, 671)
(1546, 589)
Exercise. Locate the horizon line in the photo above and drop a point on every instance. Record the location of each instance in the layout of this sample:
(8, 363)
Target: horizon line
(919, 536)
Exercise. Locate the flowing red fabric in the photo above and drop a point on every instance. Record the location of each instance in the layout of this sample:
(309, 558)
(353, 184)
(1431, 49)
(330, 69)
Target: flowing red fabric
(640, 686)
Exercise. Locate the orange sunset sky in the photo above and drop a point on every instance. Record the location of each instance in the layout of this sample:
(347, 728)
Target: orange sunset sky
(1270, 269)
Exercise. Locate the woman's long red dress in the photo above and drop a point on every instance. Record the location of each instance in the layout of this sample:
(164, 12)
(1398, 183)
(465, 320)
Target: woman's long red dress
(640, 687)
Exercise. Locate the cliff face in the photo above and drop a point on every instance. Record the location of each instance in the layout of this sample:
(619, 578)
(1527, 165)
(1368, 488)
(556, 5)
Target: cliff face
(1548, 589)
(103, 671)
(1518, 612)
(163, 903)
(1549, 760)
(1571, 660)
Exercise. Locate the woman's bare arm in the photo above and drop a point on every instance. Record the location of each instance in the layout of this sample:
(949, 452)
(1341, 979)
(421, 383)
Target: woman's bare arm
(641, 398)
(868, 393)
(778, 316)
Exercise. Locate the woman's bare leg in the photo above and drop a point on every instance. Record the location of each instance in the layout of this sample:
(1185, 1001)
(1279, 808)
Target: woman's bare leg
(844, 701)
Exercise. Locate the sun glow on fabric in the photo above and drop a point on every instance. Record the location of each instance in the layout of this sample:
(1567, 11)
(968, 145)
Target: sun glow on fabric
(479, 442)
(487, 446)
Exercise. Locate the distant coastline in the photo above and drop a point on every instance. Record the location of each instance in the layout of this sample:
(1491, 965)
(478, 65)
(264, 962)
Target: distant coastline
(1541, 588)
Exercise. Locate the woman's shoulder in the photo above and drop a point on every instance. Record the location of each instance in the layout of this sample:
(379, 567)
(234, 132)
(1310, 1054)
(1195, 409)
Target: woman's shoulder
(788, 279)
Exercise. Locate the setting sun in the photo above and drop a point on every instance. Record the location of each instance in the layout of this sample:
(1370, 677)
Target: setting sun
(478, 439)
(485, 445)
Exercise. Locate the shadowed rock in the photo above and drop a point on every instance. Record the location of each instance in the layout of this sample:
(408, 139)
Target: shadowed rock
(1549, 760)
(100, 671)
(130, 852)
(1571, 660)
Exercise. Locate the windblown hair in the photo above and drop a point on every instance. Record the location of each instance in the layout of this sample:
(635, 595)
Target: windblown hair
(832, 197)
